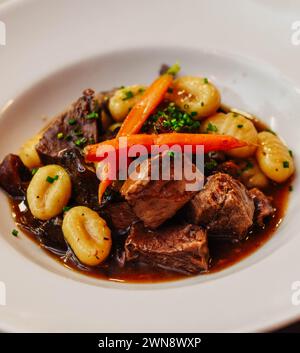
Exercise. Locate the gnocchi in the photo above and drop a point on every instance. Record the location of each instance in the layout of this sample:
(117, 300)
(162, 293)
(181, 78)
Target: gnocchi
(235, 125)
(274, 158)
(252, 176)
(195, 95)
(123, 100)
(87, 234)
(49, 192)
(28, 153)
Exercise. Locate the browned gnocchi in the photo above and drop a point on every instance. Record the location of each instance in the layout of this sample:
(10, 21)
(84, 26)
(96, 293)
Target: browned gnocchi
(195, 95)
(123, 100)
(28, 153)
(87, 234)
(49, 192)
(274, 157)
(235, 125)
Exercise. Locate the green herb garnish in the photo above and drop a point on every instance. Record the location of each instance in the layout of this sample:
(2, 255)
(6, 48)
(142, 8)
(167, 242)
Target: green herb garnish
(66, 208)
(92, 115)
(291, 153)
(211, 128)
(173, 119)
(51, 180)
(286, 164)
(205, 80)
(174, 69)
(34, 170)
(80, 141)
(72, 121)
(14, 232)
(240, 126)
(127, 95)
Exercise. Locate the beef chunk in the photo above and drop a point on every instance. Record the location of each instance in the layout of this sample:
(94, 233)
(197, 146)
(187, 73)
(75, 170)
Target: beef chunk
(51, 236)
(48, 233)
(84, 180)
(263, 206)
(231, 168)
(14, 176)
(224, 206)
(76, 126)
(121, 216)
(181, 248)
(155, 201)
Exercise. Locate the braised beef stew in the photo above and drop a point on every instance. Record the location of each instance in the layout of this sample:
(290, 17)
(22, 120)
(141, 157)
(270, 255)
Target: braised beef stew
(145, 230)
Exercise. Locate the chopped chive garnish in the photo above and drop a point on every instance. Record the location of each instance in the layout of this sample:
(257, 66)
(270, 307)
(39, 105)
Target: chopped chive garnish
(34, 170)
(240, 126)
(205, 80)
(286, 164)
(174, 69)
(127, 95)
(51, 180)
(211, 128)
(66, 208)
(170, 90)
(92, 115)
(60, 135)
(171, 118)
(72, 122)
(80, 141)
(291, 153)
(14, 232)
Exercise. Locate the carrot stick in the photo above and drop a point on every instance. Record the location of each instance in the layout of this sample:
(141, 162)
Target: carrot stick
(145, 107)
(140, 112)
(211, 142)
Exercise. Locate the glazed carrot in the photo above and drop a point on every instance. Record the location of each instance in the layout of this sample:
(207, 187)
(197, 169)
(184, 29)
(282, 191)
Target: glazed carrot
(104, 184)
(140, 112)
(210, 142)
(145, 107)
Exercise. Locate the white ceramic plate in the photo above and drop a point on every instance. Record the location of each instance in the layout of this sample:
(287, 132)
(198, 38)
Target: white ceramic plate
(54, 50)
